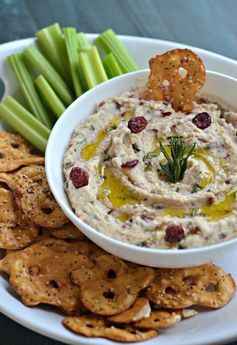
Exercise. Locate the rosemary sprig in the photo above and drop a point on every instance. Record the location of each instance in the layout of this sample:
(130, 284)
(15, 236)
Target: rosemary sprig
(177, 162)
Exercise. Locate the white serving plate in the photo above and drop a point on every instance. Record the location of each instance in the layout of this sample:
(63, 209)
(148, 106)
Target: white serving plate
(209, 327)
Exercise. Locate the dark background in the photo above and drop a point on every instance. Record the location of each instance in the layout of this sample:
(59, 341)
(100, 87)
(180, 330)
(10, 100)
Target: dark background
(208, 24)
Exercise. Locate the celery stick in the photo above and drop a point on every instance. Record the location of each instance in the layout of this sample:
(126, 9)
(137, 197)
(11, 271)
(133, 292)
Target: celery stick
(52, 44)
(27, 86)
(71, 41)
(25, 115)
(109, 42)
(49, 96)
(83, 42)
(92, 67)
(37, 59)
(14, 114)
(111, 66)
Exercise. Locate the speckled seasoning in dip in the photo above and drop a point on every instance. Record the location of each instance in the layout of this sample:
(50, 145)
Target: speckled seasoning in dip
(125, 193)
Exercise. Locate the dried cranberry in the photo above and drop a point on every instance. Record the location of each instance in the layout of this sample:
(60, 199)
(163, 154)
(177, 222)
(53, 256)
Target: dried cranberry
(202, 120)
(130, 164)
(210, 200)
(174, 233)
(137, 124)
(166, 113)
(79, 177)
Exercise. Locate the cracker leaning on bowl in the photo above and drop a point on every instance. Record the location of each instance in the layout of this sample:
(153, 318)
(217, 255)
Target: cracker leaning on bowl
(176, 76)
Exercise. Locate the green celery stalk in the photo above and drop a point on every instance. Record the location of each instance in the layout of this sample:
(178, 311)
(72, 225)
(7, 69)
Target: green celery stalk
(83, 42)
(14, 114)
(25, 115)
(71, 41)
(50, 97)
(92, 67)
(23, 76)
(37, 59)
(52, 44)
(111, 66)
(110, 43)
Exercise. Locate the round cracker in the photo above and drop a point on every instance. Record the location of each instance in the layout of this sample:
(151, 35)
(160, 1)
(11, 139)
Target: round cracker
(205, 285)
(34, 197)
(175, 76)
(110, 286)
(16, 152)
(41, 274)
(95, 326)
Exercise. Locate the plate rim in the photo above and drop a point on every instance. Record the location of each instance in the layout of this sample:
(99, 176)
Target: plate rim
(29, 324)
(7, 45)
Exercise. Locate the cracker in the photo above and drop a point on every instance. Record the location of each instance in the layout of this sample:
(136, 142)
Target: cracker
(96, 326)
(41, 274)
(68, 232)
(87, 248)
(110, 286)
(34, 197)
(16, 152)
(159, 319)
(205, 285)
(15, 231)
(175, 76)
(139, 310)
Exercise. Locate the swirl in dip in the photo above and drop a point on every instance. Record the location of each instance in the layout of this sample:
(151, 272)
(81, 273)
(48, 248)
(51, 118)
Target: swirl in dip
(114, 180)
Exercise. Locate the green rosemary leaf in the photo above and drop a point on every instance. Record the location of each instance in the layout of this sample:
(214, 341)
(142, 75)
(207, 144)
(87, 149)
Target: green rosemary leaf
(165, 168)
(165, 153)
(177, 162)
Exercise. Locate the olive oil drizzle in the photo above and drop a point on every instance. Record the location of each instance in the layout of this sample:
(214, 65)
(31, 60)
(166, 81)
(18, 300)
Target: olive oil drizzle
(222, 209)
(116, 191)
(216, 211)
(123, 217)
(89, 150)
(200, 154)
(119, 194)
(175, 212)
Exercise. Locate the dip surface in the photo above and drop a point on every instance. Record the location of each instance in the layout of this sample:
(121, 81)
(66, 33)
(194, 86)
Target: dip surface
(129, 198)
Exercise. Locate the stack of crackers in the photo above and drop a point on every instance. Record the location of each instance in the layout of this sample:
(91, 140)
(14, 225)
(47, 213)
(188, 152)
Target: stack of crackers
(50, 261)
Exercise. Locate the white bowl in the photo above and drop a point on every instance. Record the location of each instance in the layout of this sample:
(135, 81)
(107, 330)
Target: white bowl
(218, 85)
